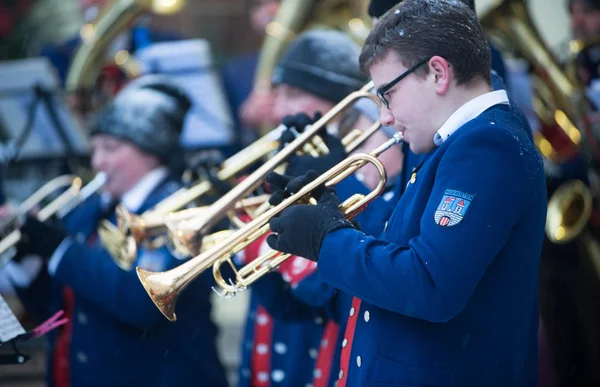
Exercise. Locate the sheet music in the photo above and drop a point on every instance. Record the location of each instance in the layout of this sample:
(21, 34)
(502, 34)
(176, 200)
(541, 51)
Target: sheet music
(9, 324)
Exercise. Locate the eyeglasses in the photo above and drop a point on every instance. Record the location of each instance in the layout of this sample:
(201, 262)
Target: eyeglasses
(381, 92)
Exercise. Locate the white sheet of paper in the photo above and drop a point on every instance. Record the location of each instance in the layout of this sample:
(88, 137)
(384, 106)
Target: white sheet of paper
(9, 324)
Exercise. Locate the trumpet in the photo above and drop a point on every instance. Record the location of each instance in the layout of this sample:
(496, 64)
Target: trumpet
(60, 206)
(123, 247)
(189, 234)
(164, 288)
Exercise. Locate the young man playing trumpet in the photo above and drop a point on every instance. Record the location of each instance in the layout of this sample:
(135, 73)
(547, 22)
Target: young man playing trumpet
(116, 336)
(446, 295)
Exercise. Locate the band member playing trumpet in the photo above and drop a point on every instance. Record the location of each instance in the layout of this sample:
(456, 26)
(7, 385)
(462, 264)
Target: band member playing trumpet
(317, 71)
(116, 336)
(447, 294)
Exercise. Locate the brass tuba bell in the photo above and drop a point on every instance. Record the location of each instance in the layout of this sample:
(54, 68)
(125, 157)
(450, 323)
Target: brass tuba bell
(563, 109)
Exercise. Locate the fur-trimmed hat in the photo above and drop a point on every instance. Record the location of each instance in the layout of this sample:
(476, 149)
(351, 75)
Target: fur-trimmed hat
(149, 112)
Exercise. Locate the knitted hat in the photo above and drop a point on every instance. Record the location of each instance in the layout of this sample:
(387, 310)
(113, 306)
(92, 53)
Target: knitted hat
(321, 62)
(149, 112)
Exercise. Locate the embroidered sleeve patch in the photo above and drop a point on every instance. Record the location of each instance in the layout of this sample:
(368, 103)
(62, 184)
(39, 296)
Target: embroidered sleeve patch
(452, 208)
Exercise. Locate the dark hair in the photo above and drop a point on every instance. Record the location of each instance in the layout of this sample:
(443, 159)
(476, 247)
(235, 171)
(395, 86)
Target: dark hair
(378, 7)
(419, 29)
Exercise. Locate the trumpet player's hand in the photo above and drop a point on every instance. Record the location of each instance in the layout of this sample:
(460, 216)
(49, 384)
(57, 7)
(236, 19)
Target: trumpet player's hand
(38, 238)
(302, 228)
(283, 186)
(295, 124)
(300, 164)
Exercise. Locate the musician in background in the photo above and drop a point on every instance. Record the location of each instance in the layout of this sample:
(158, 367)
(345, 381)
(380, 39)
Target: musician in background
(117, 337)
(584, 17)
(316, 72)
(447, 294)
(569, 283)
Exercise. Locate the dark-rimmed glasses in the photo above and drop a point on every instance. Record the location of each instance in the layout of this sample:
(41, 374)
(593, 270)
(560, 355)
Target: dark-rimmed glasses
(383, 90)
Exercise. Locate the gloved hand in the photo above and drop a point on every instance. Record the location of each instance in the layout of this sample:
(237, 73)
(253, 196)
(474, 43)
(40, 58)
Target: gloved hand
(301, 228)
(38, 238)
(299, 165)
(295, 123)
(283, 186)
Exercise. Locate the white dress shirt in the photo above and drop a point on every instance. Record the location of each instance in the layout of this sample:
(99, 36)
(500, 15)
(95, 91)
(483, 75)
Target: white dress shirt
(469, 111)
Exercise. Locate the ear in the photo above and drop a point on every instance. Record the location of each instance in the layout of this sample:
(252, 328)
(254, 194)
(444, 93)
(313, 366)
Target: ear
(439, 70)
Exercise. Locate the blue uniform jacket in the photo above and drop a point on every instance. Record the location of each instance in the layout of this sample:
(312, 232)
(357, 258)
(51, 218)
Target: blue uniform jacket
(449, 298)
(290, 350)
(119, 337)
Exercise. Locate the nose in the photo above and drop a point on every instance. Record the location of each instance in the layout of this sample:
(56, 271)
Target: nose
(385, 116)
(98, 161)
(279, 111)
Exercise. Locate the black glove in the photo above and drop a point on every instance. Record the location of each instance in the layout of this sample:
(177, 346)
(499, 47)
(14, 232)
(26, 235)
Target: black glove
(298, 165)
(283, 186)
(38, 238)
(301, 228)
(295, 123)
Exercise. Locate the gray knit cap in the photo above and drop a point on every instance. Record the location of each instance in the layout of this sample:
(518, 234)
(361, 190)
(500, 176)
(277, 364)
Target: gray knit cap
(149, 112)
(322, 62)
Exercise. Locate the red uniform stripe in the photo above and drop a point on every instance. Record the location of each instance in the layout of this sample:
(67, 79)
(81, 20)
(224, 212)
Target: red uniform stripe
(326, 352)
(349, 336)
(261, 350)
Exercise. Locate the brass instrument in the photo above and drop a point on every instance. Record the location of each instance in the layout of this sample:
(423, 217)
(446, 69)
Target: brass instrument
(131, 230)
(96, 37)
(60, 206)
(123, 247)
(164, 288)
(295, 16)
(188, 234)
(561, 103)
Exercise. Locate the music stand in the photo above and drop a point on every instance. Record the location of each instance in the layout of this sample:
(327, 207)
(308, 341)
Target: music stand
(190, 63)
(34, 122)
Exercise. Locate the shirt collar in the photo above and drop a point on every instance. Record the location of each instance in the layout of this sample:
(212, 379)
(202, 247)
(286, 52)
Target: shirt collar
(135, 197)
(469, 111)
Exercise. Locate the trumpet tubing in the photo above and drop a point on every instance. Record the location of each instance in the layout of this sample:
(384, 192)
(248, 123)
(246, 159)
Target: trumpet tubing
(164, 288)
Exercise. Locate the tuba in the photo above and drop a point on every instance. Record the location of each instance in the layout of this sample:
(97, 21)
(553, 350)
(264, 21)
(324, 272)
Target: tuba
(562, 106)
(164, 288)
(96, 37)
(295, 16)
(60, 206)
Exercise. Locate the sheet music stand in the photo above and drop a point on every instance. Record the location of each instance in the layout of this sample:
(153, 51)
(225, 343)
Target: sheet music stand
(49, 131)
(12, 333)
(190, 63)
